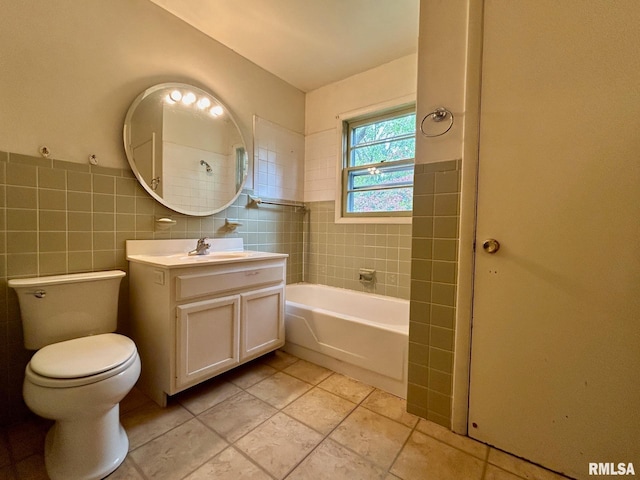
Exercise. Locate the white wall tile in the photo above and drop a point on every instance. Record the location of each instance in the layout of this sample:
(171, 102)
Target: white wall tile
(320, 174)
(279, 161)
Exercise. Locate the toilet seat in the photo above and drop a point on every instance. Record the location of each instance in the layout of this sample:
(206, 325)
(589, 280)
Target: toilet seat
(81, 361)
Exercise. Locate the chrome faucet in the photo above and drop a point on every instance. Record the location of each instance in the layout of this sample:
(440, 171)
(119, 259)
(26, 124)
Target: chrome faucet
(201, 247)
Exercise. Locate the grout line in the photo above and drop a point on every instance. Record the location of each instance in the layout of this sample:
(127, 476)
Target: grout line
(485, 464)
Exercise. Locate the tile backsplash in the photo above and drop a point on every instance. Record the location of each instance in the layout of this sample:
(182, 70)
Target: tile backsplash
(61, 217)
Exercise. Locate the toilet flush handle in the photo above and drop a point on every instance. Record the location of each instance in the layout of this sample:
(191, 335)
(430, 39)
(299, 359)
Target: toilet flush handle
(39, 294)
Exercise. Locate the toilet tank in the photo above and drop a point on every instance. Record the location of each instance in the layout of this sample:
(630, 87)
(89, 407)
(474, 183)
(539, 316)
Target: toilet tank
(63, 307)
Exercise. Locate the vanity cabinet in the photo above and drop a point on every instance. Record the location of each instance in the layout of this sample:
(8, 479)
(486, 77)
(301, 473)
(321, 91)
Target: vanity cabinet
(191, 323)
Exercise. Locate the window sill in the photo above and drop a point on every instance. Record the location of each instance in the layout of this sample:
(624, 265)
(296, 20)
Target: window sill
(373, 220)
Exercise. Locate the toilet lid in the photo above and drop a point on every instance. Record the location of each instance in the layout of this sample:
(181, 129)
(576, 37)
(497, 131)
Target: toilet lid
(83, 357)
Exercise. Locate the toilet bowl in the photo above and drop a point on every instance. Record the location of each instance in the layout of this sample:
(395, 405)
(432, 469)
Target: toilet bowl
(79, 384)
(80, 371)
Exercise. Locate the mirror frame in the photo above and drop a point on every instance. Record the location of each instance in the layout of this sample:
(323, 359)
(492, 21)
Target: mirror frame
(127, 147)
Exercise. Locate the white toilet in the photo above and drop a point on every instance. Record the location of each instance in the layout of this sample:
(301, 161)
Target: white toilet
(80, 372)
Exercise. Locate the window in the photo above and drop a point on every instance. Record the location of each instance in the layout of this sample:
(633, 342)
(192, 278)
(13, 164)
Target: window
(377, 174)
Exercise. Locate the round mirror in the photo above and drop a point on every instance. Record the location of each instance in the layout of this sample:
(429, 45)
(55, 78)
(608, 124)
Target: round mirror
(185, 149)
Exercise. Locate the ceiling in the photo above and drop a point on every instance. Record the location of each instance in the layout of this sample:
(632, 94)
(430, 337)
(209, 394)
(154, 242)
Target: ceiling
(304, 42)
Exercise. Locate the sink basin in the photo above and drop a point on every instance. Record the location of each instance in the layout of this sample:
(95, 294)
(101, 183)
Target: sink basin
(214, 256)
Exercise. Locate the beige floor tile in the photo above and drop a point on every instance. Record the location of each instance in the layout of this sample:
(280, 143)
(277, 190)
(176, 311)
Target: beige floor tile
(126, 471)
(279, 390)
(6, 473)
(373, 436)
(5, 457)
(201, 397)
(390, 406)
(520, 467)
(391, 476)
(134, 399)
(332, 461)
(320, 410)
(426, 458)
(308, 372)
(346, 387)
(32, 468)
(445, 435)
(178, 452)
(248, 375)
(27, 438)
(494, 473)
(237, 416)
(229, 465)
(279, 444)
(279, 359)
(150, 421)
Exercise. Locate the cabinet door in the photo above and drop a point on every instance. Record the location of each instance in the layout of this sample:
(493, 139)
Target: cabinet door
(207, 338)
(262, 321)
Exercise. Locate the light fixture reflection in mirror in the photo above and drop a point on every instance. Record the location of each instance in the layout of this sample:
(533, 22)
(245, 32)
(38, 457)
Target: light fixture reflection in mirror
(170, 132)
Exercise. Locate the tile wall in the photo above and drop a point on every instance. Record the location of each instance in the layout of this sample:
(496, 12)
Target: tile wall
(436, 215)
(60, 217)
(278, 160)
(336, 252)
(320, 156)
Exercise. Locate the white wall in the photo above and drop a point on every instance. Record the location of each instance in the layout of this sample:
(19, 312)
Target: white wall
(70, 70)
(380, 85)
(442, 76)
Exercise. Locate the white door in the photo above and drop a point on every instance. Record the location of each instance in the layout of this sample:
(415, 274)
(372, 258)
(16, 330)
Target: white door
(555, 362)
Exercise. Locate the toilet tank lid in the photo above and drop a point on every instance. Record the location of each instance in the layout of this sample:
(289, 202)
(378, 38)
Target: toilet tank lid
(83, 357)
(60, 279)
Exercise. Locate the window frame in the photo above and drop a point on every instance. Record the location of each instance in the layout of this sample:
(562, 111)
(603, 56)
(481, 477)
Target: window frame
(347, 123)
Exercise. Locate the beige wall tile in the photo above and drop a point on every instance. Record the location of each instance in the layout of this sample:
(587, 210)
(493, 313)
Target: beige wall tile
(22, 242)
(23, 175)
(22, 197)
(103, 184)
(52, 199)
(22, 264)
(79, 222)
(52, 221)
(52, 242)
(79, 182)
(52, 263)
(52, 178)
(78, 201)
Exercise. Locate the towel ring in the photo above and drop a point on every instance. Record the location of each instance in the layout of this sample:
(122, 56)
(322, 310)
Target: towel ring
(438, 115)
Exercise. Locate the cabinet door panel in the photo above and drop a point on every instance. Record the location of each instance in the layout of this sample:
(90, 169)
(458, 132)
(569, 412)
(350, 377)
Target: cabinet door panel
(207, 338)
(262, 321)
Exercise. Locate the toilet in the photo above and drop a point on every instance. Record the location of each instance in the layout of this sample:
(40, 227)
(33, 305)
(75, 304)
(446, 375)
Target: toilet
(80, 371)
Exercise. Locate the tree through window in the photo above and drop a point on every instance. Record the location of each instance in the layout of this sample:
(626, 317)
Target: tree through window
(378, 165)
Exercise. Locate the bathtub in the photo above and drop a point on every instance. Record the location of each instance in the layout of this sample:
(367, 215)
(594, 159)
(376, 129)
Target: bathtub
(362, 335)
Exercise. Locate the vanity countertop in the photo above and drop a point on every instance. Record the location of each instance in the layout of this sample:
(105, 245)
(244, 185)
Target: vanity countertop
(174, 253)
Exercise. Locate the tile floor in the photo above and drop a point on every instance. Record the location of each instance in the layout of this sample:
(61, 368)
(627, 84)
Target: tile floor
(275, 418)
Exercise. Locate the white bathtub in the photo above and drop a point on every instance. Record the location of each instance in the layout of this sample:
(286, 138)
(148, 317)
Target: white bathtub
(361, 335)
